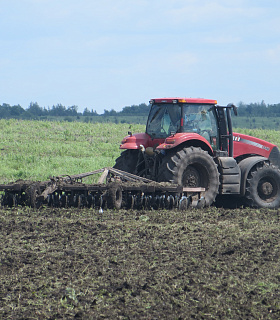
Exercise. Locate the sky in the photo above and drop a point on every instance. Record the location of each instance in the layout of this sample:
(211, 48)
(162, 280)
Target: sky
(114, 53)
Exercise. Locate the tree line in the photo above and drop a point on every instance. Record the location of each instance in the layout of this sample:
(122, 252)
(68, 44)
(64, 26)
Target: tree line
(34, 111)
(258, 110)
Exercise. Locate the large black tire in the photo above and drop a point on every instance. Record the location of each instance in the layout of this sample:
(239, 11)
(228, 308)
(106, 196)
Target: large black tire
(263, 186)
(127, 161)
(191, 167)
(114, 196)
(32, 192)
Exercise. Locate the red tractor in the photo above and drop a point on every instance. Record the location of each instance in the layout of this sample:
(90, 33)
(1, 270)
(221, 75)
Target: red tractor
(190, 142)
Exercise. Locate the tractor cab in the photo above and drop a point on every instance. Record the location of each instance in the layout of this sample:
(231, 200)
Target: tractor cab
(171, 116)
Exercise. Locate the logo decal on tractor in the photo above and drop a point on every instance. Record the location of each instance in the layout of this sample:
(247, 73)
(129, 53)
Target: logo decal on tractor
(251, 143)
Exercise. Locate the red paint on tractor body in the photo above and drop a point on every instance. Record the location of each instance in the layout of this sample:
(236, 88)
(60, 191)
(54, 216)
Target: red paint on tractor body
(247, 145)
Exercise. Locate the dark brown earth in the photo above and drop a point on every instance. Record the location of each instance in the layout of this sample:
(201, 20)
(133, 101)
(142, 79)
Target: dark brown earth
(81, 264)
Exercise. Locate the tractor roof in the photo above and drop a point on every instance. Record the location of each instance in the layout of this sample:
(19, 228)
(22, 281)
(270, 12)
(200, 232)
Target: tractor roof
(184, 100)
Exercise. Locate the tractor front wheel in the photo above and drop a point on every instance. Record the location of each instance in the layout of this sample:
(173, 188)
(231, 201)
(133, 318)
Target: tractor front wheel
(127, 161)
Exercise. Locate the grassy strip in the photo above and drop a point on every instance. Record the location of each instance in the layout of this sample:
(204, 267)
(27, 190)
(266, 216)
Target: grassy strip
(36, 150)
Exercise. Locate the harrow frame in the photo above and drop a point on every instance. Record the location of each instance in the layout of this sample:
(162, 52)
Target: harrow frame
(115, 189)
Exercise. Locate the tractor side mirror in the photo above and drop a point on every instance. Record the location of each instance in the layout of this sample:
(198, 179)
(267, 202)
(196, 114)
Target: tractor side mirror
(234, 108)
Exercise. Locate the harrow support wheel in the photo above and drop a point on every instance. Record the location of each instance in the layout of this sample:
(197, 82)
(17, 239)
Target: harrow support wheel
(33, 192)
(114, 197)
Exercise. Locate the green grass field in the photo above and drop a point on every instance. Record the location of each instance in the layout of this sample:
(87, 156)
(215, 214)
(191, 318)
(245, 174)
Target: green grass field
(264, 123)
(38, 149)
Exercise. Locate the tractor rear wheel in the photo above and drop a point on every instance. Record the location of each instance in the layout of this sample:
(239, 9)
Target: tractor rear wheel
(127, 161)
(263, 186)
(191, 167)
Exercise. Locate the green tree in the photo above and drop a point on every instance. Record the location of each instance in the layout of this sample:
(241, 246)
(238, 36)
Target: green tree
(17, 111)
(35, 109)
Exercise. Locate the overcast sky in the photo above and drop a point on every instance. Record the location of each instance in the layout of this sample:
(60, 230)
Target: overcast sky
(109, 54)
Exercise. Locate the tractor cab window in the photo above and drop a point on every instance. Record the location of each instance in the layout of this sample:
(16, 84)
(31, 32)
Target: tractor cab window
(201, 119)
(163, 120)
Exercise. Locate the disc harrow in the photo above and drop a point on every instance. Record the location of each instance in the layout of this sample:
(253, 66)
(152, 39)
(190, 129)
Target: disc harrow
(115, 189)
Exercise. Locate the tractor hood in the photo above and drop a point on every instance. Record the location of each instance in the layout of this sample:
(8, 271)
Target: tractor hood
(247, 145)
(136, 140)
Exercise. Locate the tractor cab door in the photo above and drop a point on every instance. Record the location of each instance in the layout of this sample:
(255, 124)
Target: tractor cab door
(201, 119)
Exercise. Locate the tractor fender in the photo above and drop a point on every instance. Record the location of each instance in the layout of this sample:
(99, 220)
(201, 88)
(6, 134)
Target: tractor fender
(185, 139)
(245, 167)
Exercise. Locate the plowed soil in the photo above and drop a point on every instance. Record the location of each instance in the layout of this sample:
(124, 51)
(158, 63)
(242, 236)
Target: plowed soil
(82, 264)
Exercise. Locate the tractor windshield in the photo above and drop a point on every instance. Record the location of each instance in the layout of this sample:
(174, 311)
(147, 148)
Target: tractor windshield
(201, 119)
(163, 120)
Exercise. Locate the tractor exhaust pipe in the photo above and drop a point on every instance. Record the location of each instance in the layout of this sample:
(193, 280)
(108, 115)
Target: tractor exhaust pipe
(229, 121)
